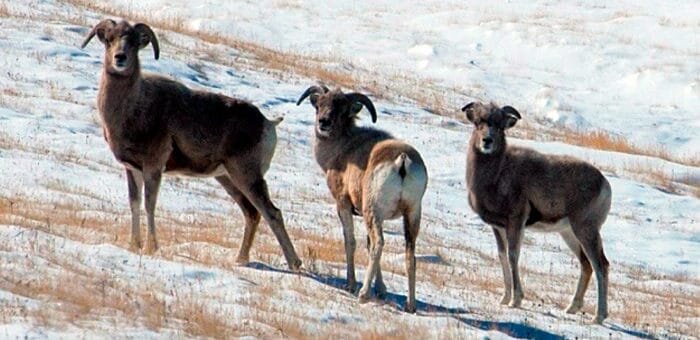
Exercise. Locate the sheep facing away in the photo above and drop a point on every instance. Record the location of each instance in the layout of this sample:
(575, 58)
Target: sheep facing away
(154, 124)
(371, 174)
(513, 189)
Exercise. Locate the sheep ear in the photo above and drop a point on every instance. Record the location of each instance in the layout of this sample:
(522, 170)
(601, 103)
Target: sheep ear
(99, 30)
(469, 110)
(356, 108)
(146, 36)
(359, 98)
(512, 116)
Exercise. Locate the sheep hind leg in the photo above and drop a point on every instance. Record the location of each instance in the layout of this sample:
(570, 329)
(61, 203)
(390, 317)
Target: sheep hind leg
(588, 236)
(252, 219)
(377, 244)
(411, 229)
(586, 271)
(379, 286)
(255, 190)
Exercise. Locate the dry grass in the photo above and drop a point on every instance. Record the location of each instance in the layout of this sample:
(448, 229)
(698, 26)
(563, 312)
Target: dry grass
(202, 242)
(603, 140)
(4, 11)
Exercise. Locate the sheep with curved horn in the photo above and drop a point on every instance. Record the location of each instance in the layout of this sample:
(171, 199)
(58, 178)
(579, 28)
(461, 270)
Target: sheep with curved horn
(370, 174)
(155, 125)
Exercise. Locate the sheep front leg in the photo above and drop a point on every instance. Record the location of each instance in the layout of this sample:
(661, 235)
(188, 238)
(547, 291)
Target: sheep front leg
(514, 234)
(134, 180)
(152, 185)
(503, 258)
(345, 215)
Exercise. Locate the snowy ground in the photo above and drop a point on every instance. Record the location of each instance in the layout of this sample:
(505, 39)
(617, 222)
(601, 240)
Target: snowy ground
(630, 67)
(65, 270)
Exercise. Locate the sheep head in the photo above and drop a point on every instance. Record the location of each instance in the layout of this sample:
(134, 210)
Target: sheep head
(122, 43)
(490, 122)
(336, 111)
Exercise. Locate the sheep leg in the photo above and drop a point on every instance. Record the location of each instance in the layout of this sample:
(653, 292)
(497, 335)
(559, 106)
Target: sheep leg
(514, 234)
(379, 286)
(134, 180)
(345, 215)
(377, 244)
(252, 218)
(503, 258)
(586, 271)
(255, 190)
(411, 224)
(589, 237)
(152, 185)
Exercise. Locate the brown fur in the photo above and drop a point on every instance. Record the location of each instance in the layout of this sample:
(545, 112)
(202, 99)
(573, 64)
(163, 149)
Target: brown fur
(512, 188)
(154, 124)
(353, 158)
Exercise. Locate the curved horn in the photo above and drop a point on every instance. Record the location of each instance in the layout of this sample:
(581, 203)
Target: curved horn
(511, 111)
(311, 90)
(147, 31)
(468, 106)
(359, 97)
(101, 25)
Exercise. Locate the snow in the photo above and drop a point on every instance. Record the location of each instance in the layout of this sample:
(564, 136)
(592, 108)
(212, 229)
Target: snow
(629, 67)
(560, 63)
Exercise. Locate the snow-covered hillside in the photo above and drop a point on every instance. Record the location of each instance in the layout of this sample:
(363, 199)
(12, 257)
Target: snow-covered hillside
(629, 67)
(64, 266)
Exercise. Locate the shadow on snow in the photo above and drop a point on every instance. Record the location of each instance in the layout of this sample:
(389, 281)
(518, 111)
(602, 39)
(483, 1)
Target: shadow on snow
(512, 329)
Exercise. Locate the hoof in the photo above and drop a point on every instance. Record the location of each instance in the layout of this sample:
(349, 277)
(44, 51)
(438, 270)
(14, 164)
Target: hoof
(598, 319)
(515, 303)
(505, 300)
(135, 247)
(380, 291)
(574, 307)
(242, 261)
(151, 247)
(364, 296)
(351, 287)
(294, 265)
(410, 308)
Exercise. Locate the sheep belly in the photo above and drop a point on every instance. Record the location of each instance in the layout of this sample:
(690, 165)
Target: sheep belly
(218, 171)
(558, 226)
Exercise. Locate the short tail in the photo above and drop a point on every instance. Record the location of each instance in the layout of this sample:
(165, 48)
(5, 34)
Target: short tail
(277, 121)
(402, 163)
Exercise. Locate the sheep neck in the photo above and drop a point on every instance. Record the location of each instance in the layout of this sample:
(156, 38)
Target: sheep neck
(117, 94)
(484, 170)
(329, 149)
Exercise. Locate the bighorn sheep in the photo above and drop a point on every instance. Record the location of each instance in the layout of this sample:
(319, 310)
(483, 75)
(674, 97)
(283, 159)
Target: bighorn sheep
(154, 124)
(369, 173)
(514, 188)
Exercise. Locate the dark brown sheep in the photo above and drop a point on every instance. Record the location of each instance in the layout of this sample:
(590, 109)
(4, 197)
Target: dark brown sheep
(154, 125)
(514, 188)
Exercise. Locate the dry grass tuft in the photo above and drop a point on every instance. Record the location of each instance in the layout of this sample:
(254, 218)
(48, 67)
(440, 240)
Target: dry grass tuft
(4, 11)
(603, 140)
(201, 322)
